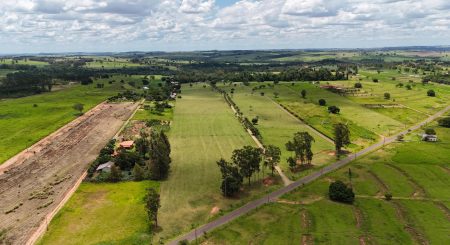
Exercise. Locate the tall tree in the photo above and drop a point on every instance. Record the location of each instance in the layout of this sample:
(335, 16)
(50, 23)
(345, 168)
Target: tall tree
(248, 160)
(231, 178)
(341, 136)
(159, 155)
(152, 205)
(272, 156)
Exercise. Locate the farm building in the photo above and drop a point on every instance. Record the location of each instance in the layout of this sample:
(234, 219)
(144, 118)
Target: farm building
(105, 167)
(429, 137)
(126, 144)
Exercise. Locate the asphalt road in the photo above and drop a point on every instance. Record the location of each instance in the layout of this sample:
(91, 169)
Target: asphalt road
(193, 234)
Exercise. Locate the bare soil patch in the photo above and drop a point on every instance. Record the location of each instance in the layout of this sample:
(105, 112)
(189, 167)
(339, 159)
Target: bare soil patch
(38, 179)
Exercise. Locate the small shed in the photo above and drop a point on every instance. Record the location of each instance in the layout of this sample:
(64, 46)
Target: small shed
(429, 137)
(127, 144)
(105, 167)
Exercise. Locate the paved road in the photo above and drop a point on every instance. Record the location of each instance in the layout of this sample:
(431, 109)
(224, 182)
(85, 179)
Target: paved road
(192, 235)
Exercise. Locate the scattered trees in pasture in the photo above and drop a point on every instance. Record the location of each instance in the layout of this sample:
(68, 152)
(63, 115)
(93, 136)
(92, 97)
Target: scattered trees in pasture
(231, 178)
(248, 160)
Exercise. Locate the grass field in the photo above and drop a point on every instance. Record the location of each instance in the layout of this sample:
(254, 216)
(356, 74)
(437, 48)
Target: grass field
(204, 129)
(103, 214)
(27, 124)
(277, 127)
(415, 172)
(23, 62)
(110, 63)
(144, 115)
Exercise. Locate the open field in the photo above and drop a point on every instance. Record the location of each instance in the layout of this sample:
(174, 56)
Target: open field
(277, 126)
(38, 179)
(103, 213)
(415, 172)
(27, 123)
(110, 63)
(204, 130)
(23, 62)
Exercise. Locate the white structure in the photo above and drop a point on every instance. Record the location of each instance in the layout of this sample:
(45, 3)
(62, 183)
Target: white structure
(429, 137)
(105, 167)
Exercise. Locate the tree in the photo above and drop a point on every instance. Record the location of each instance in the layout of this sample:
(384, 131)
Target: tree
(115, 175)
(375, 80)
(231, 178)
(152, 205)
(78, 107)
(333, 109)
(255, 120)
(341, 136)
(275, 94)
(143, 143)
(248, 160)
(444, 122)
(387, 96)
(159, 155)
(303, 93)
(126, 160)
(272, 156)
(358, 85)
(430, 131)
(408, 87)
(138, 172)
(322, 102)
(339, 192)
(301, 145)
(431, 93)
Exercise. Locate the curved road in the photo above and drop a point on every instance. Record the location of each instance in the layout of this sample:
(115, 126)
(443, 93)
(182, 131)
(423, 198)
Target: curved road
(193, 234)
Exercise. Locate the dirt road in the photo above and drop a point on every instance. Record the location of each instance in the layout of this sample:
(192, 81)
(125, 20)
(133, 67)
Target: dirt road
(206, 228)
(36, 180)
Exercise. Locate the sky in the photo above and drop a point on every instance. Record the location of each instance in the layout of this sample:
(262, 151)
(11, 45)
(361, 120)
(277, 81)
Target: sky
(33, 26)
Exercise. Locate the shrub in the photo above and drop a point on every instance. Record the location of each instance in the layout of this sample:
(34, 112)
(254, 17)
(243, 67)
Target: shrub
(430, 131)
(358, 85)
(255, 121)
(339, 192)
(375, 80)
(444, 122)
(333, 109)
(387, 96)
(388, 196)
(408, 87)
(322, 102)
(431, 93)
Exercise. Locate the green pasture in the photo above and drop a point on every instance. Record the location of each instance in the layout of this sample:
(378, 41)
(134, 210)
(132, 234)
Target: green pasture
(23, 62)
(277, 127)
(110, 63)
(204, 129)
(24, 124)
(103, 214)
(401, 168)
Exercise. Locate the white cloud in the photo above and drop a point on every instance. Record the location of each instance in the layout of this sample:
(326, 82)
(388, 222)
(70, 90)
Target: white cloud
(200, 24)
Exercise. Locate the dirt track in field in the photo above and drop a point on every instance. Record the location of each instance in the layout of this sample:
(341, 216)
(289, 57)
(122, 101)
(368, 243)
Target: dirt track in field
(37, 179)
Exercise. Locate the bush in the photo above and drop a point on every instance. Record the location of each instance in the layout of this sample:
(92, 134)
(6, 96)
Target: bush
(388, 196)
(333, 109)
(322, 102)
(444, 122)
(375, 80)
(358, 85)
(183, 242)
(387, 96)
(430, 131)
(431, 93)
(339, 192)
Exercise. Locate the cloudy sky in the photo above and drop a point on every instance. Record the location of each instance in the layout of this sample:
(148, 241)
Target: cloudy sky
(172, 25)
